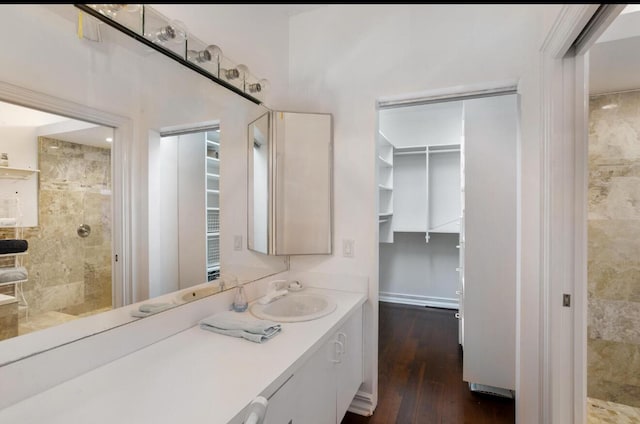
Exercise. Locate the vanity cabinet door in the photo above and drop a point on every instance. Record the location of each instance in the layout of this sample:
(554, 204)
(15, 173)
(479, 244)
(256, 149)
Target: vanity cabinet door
(315, 401)
(280, 409)
(348, 370)
(321, 391)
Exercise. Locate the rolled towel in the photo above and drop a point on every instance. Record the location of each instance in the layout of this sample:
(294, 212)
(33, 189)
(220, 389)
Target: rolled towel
(147, 309)
(13, 246)
(236, 325)
(9, 275)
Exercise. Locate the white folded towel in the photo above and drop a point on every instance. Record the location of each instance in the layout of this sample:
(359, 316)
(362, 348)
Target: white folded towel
(234, 324)
(9, 275)
(147, 309)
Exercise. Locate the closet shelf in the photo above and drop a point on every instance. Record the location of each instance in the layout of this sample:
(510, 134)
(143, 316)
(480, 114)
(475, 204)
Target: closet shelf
(410, 150)
(409, 230)
(213, 175)
(213, 191)
(7, 255)
(16, 173)
(383, 187)
(213, 159)
(385, 162)
(451, 227)
(385, 214)
(13, 282)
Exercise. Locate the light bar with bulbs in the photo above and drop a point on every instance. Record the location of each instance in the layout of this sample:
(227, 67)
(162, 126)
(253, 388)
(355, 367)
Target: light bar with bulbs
(171, 38)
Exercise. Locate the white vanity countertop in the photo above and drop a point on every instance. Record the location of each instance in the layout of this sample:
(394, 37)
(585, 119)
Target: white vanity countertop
(195, 376)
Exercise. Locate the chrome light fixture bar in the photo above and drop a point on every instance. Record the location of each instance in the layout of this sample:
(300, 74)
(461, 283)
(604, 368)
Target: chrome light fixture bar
(167, 52)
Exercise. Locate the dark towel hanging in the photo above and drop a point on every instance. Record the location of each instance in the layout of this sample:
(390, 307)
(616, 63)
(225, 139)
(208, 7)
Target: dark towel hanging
(13, 246)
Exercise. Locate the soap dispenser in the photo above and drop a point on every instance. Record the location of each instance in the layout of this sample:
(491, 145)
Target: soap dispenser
(240, 301)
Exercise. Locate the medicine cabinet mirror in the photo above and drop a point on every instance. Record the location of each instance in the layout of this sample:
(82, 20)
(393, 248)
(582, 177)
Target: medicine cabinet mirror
(290, 184)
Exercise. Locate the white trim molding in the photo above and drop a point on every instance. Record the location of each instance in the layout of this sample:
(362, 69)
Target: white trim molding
(562, 227)
(419, 300)
(363, 404)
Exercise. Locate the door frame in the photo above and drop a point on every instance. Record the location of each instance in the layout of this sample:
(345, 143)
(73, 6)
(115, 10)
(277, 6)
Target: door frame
(121, 153)
(564, 182)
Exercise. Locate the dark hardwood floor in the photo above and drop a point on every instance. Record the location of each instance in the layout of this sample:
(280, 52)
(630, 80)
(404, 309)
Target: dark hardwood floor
(420, 373)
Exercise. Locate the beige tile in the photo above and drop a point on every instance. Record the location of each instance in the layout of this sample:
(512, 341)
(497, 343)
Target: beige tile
(605, 412)
(44, 320)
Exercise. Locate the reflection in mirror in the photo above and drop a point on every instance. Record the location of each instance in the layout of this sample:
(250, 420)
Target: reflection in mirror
(121, 81)
(55, 199)
(258, 198)
(290, 183)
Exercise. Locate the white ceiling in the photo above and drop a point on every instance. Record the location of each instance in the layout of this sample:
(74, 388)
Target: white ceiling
(55, 126)
(614, 61)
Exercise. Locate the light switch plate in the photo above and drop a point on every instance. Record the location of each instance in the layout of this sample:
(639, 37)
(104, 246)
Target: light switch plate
(348, 248)
(237, 242)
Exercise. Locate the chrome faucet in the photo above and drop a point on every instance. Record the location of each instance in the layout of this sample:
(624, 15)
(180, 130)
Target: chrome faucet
(276, 291)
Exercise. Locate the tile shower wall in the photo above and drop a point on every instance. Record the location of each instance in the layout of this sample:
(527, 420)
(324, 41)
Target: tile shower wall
(614, 248)
(68, 273)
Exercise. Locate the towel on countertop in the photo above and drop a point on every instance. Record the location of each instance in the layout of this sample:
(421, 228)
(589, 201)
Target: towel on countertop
(147, 309)
(13, 246)
(9, 275)
(234, 324)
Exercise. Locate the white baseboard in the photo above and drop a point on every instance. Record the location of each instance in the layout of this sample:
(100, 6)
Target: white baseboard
(362, 404)
(419, 300)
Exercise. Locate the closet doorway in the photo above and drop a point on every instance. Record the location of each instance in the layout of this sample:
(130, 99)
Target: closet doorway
(447, 208)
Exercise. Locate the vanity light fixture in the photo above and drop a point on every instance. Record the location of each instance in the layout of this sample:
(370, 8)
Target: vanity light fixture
(108, 139)
(175, 31)
(212, 53)
(239, 71)
(111, 10)
(609, 106)
(260, 86)
(159, 35)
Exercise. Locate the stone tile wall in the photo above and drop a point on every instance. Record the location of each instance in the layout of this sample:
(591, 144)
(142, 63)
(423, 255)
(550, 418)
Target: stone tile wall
(68, 273)
(614, 248)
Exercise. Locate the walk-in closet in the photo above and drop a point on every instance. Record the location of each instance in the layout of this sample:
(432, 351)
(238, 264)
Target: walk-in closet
(447, 180)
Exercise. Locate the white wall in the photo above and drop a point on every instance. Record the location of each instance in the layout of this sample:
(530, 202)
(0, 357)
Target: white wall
(375, 51)
(21, 145)
(417, 272)
(163, 218)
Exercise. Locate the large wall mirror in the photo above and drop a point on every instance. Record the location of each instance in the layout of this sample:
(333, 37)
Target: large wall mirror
(145, 196)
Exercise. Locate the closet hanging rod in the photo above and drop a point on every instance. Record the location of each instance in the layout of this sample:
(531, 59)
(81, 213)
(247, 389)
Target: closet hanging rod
(424, 152)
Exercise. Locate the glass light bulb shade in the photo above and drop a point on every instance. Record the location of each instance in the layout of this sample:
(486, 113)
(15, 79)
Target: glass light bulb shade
(214, 52)
(110, 10)
(259, 87)
(175, 31)
(243, 71)
(230, 74)
(265, 85)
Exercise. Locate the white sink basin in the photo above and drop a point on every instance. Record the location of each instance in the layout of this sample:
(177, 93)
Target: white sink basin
(295, 307)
